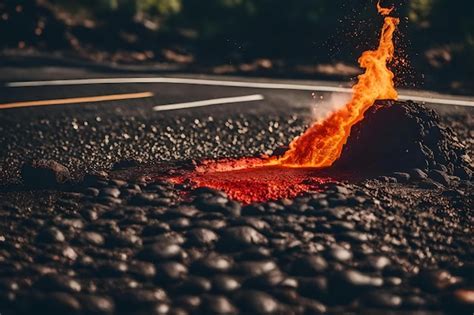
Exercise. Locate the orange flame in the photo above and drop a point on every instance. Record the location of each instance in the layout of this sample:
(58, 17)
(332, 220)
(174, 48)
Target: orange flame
(383, 11)
(322, 143)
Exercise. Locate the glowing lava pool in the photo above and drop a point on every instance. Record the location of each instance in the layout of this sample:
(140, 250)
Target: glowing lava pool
(255, 183)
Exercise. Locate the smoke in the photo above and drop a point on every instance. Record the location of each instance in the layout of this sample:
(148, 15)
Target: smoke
(325, 105)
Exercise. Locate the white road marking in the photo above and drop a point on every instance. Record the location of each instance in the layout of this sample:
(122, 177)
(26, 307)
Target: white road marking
(449, 100)
(216, 101)
(435, 100)
(257, 85)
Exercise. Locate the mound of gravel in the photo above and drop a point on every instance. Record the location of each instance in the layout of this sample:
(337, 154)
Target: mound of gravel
(399, 136)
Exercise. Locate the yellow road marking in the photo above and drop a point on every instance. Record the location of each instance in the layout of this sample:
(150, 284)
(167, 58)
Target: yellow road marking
(77, 100)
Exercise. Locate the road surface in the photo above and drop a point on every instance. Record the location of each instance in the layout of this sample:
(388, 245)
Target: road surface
(89, 119)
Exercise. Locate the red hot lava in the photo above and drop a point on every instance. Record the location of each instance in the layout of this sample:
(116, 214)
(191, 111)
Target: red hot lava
(253, 180)
(244, 181)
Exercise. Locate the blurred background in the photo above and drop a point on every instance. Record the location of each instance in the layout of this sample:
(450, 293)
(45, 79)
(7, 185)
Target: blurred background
(292, 39)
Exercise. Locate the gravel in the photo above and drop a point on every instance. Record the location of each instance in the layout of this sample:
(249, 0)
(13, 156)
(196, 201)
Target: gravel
(401, 136)
(401, 247)
(125, 242)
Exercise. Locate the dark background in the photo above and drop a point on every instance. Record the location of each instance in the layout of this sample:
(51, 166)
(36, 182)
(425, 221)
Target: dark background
(304, 38)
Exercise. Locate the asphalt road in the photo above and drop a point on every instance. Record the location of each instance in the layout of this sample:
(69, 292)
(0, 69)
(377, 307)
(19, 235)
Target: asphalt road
(92, 123)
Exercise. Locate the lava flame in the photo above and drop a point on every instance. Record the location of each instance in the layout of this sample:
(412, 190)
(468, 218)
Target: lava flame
(322, 143)
(254, 180)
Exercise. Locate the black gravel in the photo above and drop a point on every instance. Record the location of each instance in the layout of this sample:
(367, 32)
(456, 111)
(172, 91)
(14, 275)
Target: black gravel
(404, 136)
(132, 247)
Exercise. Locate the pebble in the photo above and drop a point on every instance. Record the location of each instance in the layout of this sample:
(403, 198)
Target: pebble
(155, 229)
(339, 253)
(124, 240)
(354, 278)
(149, 199)
(161, 308)
(52, 282)
(92, 191)
(93, 304)
(401, 177)
(319, 203)
(378, 262)
(201, 237)
(255, 268)
(92, 238)
(430, 184)
(383, 300)
(314, 287)
(69, 253)
(160, 251)
(60, 303)
(44, 173)
(180, 212)
(171, 271)
(110, 192)
(309, 265)
(354, 236)
(217, 304)
(437, 280)
(339, 189)
(225, 283)
(414, 302)
(212, 264)
(239, 237)
(51, 235)
(341, 226)
(314, 307)
(195, 285)
(256, 302)
(188, 302)
(142, 270)
(417, 174)
(133, 299)
(113, 268)
(440, 177)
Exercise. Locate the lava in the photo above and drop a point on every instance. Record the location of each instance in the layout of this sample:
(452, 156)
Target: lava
(258, 184)
(270, 178)
(321, 145)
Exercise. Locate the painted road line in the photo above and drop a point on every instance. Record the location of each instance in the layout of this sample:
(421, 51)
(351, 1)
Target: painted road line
(245, 84)
(448, 100)
(216, 101)
(435, 100)
(77, 100)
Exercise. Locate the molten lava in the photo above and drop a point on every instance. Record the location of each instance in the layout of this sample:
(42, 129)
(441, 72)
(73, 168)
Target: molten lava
(258, 184)
(322, 143)
(251, 180)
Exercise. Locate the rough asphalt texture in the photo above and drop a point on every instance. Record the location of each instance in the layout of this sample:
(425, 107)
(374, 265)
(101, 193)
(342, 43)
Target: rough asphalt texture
(397, 244)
